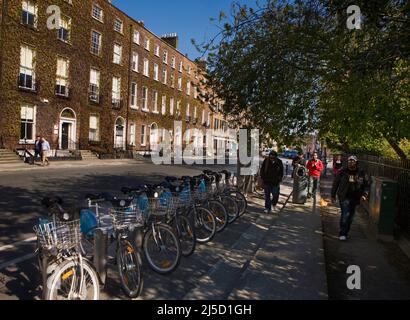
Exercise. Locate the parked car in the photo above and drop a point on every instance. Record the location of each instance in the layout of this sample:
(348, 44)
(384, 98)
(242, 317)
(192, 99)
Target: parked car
(290, 154)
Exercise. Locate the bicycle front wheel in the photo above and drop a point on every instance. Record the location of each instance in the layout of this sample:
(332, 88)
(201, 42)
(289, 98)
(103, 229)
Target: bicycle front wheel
(219, 211)
(205, 225)
(66, 283)
(231, 207)
(240, 200)
(186, 234)
(129, 268)
(162, 249)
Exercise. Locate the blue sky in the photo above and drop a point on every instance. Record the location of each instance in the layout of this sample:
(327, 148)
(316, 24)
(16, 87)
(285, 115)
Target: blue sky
(188, 18)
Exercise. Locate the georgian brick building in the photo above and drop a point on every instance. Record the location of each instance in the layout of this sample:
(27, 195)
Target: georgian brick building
(94, 78)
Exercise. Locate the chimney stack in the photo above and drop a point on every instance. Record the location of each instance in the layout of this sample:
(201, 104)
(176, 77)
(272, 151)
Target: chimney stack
(171, 39)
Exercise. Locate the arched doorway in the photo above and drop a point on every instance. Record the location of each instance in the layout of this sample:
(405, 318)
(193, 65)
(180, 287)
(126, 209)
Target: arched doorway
(68, 130)
(119, 133)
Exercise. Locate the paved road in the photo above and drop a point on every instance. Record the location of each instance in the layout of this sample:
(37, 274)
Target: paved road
(21, 193)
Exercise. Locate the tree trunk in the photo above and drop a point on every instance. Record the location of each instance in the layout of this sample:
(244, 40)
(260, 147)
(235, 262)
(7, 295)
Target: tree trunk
(397, 148)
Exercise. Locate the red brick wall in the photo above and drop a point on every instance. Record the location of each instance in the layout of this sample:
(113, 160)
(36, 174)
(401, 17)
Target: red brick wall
(48, 47)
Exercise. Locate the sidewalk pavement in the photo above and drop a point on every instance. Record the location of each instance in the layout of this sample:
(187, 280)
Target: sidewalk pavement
(280, 257)
(385, 269)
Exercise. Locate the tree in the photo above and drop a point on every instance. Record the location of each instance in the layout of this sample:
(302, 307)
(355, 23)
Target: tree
(292, 67)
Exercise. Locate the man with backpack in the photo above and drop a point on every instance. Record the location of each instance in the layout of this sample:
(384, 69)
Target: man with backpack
(349, 186)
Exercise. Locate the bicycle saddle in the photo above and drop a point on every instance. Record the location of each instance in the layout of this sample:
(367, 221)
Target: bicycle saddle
(49, 201)
(95, 197)
(121, 203)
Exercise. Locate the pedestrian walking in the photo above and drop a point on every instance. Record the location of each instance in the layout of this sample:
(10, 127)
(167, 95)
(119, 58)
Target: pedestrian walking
(272, 174)
(337, 165)
(45, 149)
(349, 185)
(37, 147)
(315, 167)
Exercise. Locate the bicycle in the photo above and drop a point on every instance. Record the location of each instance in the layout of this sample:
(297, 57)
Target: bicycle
(181, 224)
(204, 220)
(227, 184)
(66, 274)
(229, 202)
(123, 222)
(159, 243)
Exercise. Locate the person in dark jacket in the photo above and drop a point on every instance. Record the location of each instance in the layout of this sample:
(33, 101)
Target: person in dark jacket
(272, 175)
(37, 147)
(349, 185)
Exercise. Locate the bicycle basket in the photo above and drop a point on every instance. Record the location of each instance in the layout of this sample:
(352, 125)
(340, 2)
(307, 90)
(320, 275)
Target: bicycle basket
(161, 206)
(59, 235)
(122, 218)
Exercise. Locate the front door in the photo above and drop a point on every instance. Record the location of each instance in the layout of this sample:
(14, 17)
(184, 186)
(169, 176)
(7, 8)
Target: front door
(65, 135)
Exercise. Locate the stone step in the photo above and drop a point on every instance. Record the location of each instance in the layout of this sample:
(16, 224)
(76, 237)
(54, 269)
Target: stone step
(11, 161)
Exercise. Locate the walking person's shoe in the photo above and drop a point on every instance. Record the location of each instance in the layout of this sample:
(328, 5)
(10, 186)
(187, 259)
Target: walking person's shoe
(266, 211)
(343, 238)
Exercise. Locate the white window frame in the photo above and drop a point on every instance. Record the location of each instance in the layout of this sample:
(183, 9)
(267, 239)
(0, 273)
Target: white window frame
(33, 123)
(164, 104)
(62, 78)
(117, 56)
(156, 50)
(120, 23)
(143, 139)
(65, 23)
(133, 133)
(31, 8)
(136, 37)
(93, 43)
(146, 44)
(146, 67)
(144, 98)
(164, 76)
(155, 101)
(165, 57)
(180, 83)
(156, 72)
(134, 96)
(28, 67)
(100, 10)
(95, 83)
(135, 62)
(97, 129)
(116, 91)
(171, 105)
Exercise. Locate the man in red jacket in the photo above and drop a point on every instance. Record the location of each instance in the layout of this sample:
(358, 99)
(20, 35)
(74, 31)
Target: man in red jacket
(315, 167)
